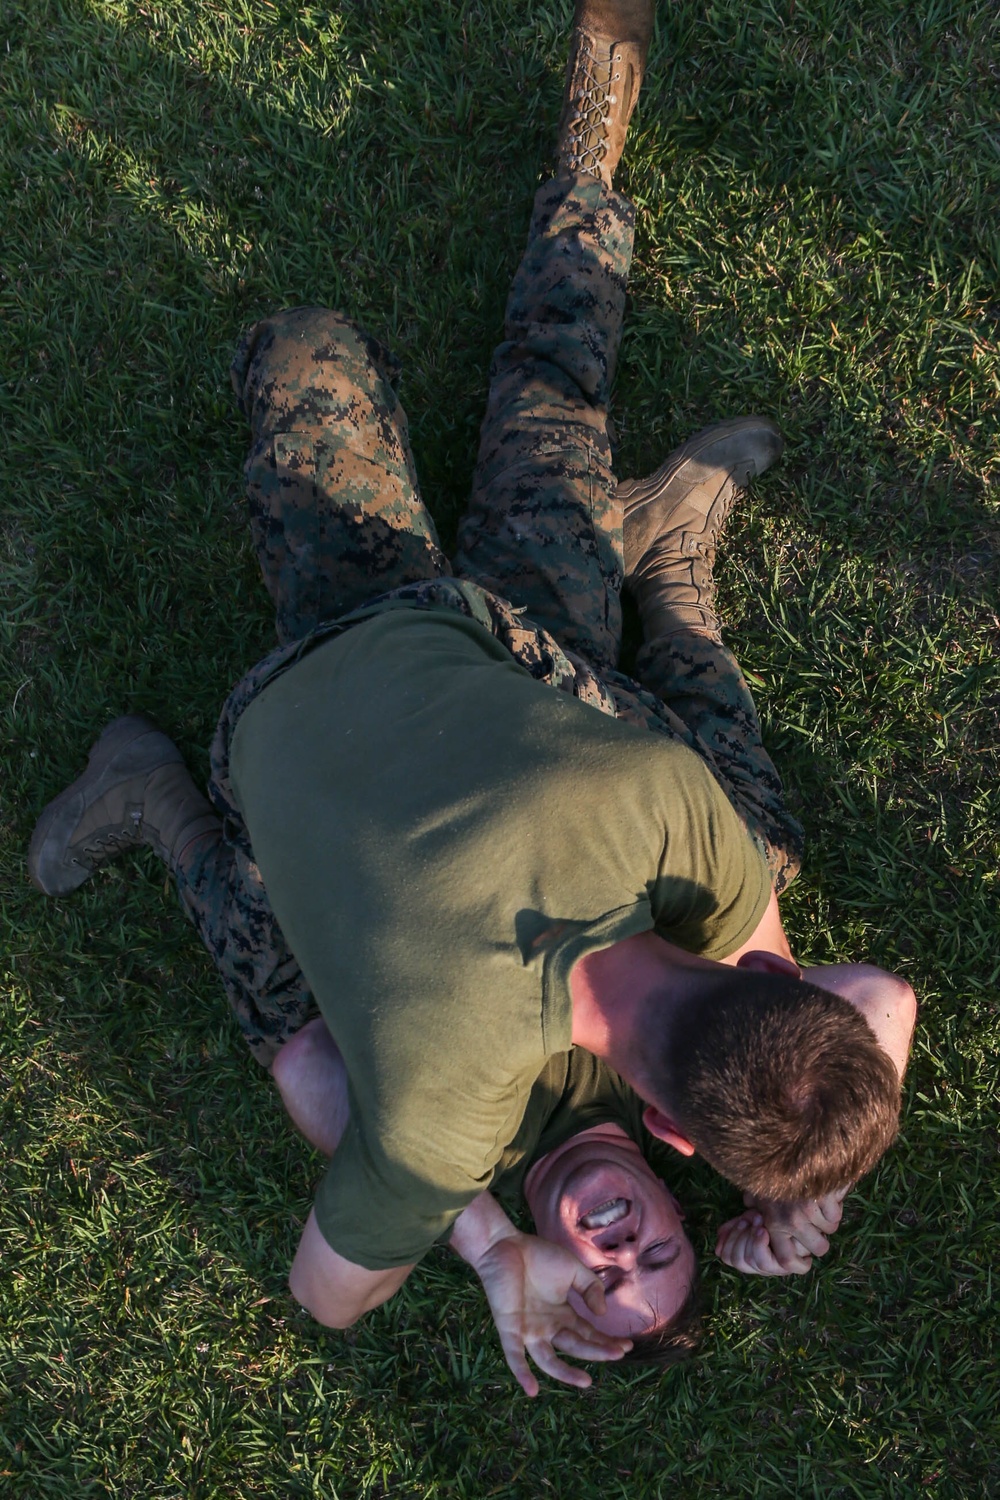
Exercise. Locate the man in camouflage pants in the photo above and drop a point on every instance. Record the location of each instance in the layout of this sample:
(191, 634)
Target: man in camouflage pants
(336, 513)
(549, 539)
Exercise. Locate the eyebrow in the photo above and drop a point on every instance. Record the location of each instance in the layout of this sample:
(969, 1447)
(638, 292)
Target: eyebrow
(669, 1249)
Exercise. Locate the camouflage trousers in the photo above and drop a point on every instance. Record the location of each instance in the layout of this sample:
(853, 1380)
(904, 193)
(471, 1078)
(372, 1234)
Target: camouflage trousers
(340, 531)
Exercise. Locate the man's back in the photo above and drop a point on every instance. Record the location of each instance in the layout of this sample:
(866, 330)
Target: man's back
(442, 838)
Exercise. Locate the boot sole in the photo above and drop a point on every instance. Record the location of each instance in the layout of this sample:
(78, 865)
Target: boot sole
(107, 764)
(637, 492)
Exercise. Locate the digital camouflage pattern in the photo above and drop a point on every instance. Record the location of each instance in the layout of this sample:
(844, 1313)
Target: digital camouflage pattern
(331, 487)
(544, 525)
(337, 518)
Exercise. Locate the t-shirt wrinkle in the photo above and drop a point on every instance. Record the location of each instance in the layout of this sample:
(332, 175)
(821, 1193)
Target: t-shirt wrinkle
(442, 837)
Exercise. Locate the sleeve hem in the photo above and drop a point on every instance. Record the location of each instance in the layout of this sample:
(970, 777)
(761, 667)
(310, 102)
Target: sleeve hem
(734, 941)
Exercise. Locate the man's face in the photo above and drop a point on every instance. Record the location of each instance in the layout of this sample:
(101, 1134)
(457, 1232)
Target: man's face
(599, 1198)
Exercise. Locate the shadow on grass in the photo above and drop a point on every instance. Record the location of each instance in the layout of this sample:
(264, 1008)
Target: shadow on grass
(220, 201)
(782, 266)
(236, 203)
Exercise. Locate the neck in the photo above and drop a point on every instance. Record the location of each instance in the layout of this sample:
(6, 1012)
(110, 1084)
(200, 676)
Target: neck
(611, 991)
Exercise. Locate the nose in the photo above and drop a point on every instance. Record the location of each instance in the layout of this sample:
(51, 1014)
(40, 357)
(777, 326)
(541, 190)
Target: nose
(619, 1242)
(624, 1254)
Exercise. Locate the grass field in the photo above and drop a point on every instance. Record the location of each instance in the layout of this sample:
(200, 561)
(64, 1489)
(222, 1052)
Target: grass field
(818, 184)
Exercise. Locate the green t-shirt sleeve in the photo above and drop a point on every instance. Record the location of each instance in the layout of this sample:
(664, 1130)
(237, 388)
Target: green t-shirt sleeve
(713, 885)
(379, 1218)
(405, 1170)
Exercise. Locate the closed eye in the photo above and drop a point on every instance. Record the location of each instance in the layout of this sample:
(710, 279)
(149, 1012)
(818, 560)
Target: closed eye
(663, 1253)
(656, 1257)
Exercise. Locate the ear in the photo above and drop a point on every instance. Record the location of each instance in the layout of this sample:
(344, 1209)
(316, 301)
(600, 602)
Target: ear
(663, 1127)
(763, 962)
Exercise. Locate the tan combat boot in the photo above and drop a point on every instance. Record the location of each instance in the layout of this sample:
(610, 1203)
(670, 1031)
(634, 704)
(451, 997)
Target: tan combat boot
(673, 518)
(136, 790)
(607, 58)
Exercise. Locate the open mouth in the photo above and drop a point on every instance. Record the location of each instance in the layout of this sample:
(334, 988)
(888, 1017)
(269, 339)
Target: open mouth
(604, 1214)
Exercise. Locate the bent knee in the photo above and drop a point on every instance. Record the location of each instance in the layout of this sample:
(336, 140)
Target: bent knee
(285, 361)
(312, 1041)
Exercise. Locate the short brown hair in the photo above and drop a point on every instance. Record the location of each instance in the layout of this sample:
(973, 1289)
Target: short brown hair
(675, 1341)
(781, 1086)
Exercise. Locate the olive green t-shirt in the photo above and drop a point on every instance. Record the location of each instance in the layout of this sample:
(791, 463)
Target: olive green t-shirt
(442, 838)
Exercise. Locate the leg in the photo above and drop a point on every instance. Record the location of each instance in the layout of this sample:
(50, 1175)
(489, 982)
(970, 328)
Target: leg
(312, 1082)
(136, 790)
(220, 888)
(672, 522)
(544, 525)
(336, 518)
(335, 509)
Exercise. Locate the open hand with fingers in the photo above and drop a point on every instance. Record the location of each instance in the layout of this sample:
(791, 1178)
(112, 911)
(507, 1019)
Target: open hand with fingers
(527, 1281)
(779, 1238)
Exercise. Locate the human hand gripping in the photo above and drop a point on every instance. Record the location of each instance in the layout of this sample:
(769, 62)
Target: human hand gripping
(779, 1238)
(527, 1281)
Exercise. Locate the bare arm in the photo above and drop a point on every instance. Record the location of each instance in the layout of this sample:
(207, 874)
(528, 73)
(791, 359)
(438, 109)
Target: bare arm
(312, 1080)
(526, 1280)
(885, 1000)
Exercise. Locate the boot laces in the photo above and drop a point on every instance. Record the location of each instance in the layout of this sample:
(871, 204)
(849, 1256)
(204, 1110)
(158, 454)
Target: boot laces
(115, 842)
(587, 130)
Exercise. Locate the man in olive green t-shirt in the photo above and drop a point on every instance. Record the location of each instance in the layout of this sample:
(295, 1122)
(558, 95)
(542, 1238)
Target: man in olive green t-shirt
(445, 823)
(444, 839)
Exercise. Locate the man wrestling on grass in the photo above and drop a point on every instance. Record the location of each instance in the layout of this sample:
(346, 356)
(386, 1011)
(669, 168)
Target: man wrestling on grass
(442, 821)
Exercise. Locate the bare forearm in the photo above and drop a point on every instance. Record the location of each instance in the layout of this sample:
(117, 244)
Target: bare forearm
(885, 1000)
(478, 1228)
(312, 1080)
(767, 937)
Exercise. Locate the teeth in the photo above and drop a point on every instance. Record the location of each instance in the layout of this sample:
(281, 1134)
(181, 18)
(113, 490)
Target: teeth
(605, 1214)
